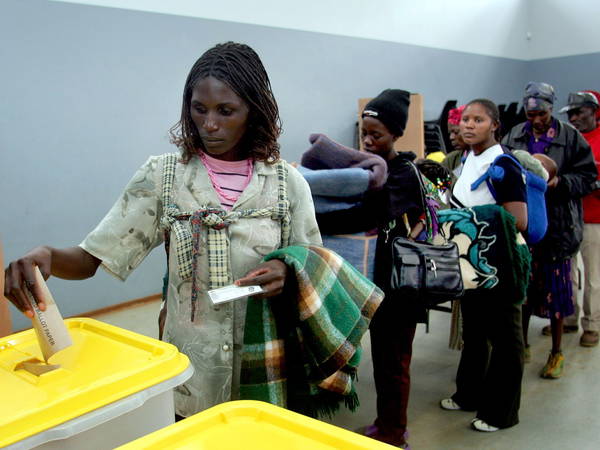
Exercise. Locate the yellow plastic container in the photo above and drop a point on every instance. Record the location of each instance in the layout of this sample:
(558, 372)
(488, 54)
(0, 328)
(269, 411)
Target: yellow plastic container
(252, 425)
(112, 386)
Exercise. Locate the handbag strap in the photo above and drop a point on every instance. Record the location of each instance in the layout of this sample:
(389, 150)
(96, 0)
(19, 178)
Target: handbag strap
(430, 214)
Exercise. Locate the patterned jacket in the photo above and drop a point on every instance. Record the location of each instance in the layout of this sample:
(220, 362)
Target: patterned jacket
(131, 229)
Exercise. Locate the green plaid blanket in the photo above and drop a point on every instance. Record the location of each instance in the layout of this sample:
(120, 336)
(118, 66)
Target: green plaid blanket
(302, 348)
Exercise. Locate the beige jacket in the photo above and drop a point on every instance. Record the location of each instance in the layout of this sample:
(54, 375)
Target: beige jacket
(132, 228)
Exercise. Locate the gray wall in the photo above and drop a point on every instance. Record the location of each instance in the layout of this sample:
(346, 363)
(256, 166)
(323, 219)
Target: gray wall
(567, 74)
(87, 93)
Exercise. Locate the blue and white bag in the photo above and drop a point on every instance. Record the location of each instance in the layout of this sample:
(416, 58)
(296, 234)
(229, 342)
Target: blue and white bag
(535, 186)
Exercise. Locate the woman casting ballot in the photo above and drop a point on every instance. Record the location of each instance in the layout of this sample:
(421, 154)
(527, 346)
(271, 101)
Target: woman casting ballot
(221, 205)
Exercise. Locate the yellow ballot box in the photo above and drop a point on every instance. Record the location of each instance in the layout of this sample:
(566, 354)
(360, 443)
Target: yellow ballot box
(252, 425)
(110, 387)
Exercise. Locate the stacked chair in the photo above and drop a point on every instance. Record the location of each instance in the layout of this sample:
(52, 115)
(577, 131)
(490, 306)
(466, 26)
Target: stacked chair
(510, 115)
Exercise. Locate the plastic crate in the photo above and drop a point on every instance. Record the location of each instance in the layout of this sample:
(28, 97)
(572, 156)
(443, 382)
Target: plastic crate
(112, 386)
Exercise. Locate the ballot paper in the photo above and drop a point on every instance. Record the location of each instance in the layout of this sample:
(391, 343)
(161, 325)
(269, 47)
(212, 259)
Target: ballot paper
(37, 368)
(50, 329)
(232, 292)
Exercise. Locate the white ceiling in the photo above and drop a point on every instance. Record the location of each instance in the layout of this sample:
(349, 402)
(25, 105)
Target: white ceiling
(517, 29)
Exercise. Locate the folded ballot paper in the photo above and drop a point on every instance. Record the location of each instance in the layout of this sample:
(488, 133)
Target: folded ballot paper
(50, 329)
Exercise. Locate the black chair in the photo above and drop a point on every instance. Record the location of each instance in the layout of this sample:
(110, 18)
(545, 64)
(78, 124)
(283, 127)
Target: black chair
(502, 111)
(442, 122)
(521, 116)
(510, 119)
(434, 140)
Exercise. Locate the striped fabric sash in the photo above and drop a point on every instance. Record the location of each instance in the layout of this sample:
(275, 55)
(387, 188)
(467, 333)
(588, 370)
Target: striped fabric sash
(187, 245)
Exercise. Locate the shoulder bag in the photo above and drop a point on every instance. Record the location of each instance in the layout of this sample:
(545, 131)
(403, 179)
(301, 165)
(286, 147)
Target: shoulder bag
(431, 273)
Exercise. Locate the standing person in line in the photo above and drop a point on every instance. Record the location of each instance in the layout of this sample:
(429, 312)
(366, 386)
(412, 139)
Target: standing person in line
(397, 210)
(489, 374)
(581, 111)
(453, 160)
(223, 186)
(597, 95)
(550, 292)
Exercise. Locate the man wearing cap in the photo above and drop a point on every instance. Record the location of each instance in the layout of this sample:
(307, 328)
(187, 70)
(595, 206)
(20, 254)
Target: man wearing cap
(550, 292)
(597, 95)
(582, 111)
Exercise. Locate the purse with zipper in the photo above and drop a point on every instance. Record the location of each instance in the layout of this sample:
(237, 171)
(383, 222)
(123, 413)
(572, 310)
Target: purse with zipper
(428, 272)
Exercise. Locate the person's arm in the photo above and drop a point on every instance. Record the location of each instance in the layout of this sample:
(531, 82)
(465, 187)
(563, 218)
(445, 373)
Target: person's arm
(271, 275)
(71, 263)
(519, 211)
(5, 322)
(131, 228)
(357, 219)
(596, 188)
(511, 192)
(120, 242)
(404, 193)
(577, 177)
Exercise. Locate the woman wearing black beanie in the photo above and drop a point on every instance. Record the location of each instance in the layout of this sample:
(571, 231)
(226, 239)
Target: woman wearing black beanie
(390, 108)
(399, 212)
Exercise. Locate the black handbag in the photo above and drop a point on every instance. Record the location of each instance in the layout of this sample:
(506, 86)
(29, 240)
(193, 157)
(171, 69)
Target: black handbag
(430, 273)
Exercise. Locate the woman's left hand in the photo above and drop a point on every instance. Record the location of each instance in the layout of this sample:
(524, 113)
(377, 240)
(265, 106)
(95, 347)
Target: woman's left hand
(269, 275)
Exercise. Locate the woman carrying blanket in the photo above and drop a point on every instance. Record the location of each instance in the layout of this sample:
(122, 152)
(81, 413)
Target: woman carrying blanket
(489, 375)
(223, 202)
(397, 210)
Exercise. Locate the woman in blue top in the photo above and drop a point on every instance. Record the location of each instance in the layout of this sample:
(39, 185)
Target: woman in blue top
(489, 375)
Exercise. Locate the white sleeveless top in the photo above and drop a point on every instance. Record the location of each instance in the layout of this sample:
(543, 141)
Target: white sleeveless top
(473, 167)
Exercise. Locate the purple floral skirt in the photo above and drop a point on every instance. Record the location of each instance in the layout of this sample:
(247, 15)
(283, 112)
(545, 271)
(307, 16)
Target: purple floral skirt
(550, 292)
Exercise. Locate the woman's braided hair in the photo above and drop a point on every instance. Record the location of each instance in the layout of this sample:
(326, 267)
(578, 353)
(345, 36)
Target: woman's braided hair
(240, 68)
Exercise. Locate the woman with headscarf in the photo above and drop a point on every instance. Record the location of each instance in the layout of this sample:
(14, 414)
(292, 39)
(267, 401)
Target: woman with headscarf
(453, 160)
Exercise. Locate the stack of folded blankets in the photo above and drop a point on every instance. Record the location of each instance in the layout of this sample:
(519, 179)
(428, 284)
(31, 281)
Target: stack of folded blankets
(340, 178)
(343, 181)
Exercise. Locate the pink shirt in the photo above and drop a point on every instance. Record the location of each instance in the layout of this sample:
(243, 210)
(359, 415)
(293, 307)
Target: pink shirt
(229, 178)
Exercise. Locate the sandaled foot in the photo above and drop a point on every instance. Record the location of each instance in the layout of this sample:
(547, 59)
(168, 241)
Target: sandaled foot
(449, 405)
(554, 366)
(480, 425)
